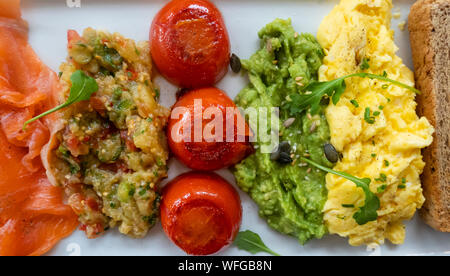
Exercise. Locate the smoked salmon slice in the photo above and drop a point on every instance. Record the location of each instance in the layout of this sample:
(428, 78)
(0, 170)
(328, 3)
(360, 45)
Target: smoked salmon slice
(33, 217)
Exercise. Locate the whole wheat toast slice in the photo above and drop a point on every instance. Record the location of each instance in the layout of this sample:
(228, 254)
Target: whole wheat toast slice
(429, 27)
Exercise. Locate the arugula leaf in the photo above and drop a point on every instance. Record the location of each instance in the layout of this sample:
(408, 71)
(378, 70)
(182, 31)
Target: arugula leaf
(366, 213)
(251, 242)
(82, 89)
(298, 103)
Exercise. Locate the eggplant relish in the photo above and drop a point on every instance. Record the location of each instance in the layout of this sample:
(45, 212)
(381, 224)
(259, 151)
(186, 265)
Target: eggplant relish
(112, 150)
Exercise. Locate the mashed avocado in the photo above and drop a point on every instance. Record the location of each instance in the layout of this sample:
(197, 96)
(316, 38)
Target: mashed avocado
(290, 196)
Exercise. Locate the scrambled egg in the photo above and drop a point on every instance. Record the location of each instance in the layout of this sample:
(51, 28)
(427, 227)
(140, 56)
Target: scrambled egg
(387, 150)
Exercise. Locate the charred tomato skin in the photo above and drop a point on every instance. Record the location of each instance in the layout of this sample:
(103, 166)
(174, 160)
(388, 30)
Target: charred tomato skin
(200, 212)
(207, 154)
(189, 43)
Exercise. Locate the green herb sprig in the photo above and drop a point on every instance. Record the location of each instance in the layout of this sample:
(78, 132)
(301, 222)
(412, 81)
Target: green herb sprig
(252, 242)
(82, 89)
(366, 213)
(298, 103)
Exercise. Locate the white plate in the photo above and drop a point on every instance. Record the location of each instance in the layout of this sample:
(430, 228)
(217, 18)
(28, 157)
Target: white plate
(49, 21)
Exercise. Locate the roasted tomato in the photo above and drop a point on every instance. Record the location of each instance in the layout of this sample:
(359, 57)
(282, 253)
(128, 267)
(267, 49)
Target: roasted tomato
(190, 44)
(206, 131)
(200, 212)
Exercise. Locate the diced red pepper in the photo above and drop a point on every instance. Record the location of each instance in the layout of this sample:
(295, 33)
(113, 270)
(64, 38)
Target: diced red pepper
(132, 74)
(92, 203)
(97, 105)
(72, 38)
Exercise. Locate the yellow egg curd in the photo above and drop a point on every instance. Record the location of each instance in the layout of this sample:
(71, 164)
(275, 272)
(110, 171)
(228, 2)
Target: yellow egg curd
(374, 125)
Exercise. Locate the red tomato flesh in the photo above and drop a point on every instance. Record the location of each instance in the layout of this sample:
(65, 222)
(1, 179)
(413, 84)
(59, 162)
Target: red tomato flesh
(209, 153)
(190, 44)
(200, 212)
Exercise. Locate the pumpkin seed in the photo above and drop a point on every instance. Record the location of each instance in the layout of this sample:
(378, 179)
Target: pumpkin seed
(285, 147)
(331, 153)
(282, 153)
(275, 155)
(285, 158)
(235, 63)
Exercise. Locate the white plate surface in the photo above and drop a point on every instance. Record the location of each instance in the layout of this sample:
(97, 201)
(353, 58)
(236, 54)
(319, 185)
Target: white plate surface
(49, 21)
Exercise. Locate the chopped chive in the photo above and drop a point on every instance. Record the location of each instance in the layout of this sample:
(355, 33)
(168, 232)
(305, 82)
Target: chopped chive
(386, 163)
(382, 188)
(348, 205)
(402, 186)
(385, 86)
(403, 180)
(142, 192)
(369, 119)
(381, 107)
(354, 103)
(132, 191)
(365, 64)
(382, 178)
(376, 113)
(374, 155)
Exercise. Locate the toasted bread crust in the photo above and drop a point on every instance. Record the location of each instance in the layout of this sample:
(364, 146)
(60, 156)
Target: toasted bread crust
(430, 35)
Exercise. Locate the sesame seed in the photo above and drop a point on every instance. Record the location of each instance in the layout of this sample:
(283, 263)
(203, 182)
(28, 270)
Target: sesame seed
(313, 127)
(299, 78)
(269, 45)
(288, 122)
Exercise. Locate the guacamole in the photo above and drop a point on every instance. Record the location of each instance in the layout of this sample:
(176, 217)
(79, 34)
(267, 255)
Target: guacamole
(290, 196)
